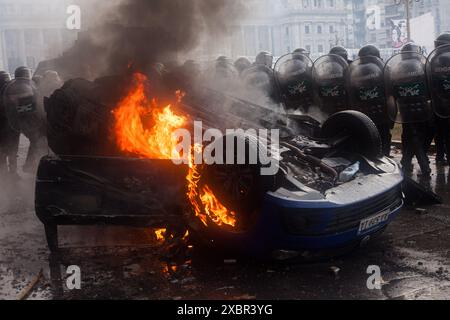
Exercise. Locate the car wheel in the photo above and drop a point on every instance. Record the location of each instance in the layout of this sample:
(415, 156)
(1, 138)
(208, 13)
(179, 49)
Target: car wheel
(362, 133)
(238, 187)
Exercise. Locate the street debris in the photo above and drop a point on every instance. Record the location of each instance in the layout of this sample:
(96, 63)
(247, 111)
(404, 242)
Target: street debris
(30, 287)
(416, 194)
(335, 271)
(421, 211)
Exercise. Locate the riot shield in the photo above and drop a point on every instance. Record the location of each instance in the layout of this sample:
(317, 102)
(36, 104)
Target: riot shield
(224, 71)
(365, 87)
(20, 103)
(407, 90)
(438, 73)
(293, 76)
(329, 76)
(259, 77)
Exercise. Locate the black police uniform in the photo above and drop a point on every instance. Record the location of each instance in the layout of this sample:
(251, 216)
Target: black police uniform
(442, 132)
(384, 127)
(9, 138)
(415, 133)
(30, 123)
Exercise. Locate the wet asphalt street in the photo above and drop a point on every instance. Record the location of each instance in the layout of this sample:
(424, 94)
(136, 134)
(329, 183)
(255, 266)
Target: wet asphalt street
(126, 263)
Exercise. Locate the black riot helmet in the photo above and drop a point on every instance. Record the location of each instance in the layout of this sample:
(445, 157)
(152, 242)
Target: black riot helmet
(23, 72)
(411, 51)
(242, 64)
(264, 58)
(442, 40)
(369, 51)
(223, 60)
(5, 77)
(340, 51)
(302, 51)
(411, 47)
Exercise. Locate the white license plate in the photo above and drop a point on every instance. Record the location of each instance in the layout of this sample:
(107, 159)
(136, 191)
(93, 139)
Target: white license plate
(374, 221)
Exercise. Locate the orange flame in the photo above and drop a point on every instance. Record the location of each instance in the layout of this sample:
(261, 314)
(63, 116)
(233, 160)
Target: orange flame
(132, 135)
(154, 139)
(160, 234)
(204, 203)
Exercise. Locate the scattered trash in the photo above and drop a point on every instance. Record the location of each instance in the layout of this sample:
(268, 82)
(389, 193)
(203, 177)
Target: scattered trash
(417, 194)
(335, 271)
(28, 289)
(285, 255)
(421, 211)
(349, 173)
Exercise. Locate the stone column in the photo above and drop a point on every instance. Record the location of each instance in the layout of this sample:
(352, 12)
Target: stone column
(22, 48)
(3, 60)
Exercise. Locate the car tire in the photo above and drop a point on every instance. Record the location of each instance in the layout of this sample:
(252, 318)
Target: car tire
(364, 136)
(239, 187)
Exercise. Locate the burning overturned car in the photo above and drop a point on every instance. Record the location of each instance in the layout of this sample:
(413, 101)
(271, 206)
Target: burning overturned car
(116, 160)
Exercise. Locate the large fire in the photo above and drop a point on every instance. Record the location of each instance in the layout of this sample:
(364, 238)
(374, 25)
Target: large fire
(153, 139)
(144, 128)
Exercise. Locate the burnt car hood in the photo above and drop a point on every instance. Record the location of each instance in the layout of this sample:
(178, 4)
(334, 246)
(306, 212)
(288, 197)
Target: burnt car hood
(357, 190)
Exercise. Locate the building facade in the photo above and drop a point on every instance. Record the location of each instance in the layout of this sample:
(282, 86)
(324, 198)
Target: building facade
(390, 12)
(281, 26)
(32, 31)
(440, 9)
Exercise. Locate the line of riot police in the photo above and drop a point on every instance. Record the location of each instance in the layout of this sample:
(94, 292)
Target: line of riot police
(409, 89)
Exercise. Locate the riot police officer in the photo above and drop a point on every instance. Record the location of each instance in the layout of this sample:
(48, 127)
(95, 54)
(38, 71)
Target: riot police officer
(302, 51)
(442, 132)
(384, 127)
(20, 100)
(23, 72)
(242, 64)
(294, 79)
(369, 50)
(264, 58)
(342, 52)
(9, 138)
(4, 79)
(224, 70)
(409, 102)
(261, 78)
(329, 83)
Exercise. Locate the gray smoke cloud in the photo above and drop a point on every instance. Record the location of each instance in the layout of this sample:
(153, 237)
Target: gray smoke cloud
(143, 32)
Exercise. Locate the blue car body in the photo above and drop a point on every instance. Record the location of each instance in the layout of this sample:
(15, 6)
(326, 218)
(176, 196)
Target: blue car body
(329, 225)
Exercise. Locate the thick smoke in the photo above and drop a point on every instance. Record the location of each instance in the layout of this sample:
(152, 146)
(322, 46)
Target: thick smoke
(143, 32)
